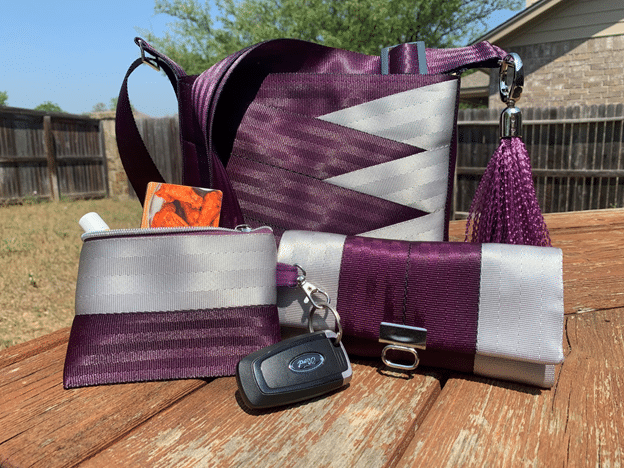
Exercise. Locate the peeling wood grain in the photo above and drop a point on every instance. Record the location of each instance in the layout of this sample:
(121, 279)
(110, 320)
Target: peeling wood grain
(41, 424)
(580, 422)
(369, 423)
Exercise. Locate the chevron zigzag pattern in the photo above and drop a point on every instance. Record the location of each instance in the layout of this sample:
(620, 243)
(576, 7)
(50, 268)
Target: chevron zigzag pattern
(360, 154)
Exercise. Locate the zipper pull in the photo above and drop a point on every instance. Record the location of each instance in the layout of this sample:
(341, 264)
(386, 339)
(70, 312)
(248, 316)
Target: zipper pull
(243, 228)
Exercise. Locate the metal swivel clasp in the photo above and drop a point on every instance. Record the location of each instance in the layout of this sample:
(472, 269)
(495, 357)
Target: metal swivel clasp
(311, 291)
(511, 84)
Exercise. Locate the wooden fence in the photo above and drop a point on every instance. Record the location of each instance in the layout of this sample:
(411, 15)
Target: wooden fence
(162, 140)
(577, 155)
(50, 156)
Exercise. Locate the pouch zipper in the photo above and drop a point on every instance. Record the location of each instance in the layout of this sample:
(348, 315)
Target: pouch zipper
(136, 232)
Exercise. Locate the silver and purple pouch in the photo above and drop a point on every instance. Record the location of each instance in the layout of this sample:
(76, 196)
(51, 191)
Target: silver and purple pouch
(495, 310)
(170, 303)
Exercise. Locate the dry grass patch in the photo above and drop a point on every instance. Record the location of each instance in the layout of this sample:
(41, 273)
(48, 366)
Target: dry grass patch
(39, 250)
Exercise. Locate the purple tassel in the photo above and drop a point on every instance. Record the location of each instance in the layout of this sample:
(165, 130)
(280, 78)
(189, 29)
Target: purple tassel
(505, 208)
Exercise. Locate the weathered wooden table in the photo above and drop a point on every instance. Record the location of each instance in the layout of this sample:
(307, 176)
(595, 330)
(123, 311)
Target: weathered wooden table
(435, 418)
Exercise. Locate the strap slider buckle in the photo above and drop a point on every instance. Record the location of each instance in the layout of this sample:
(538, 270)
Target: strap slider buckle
(151, 61)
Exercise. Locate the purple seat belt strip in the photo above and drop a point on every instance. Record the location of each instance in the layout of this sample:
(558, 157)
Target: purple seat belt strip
(135, 157)
(416, 284)
(321, 206)
(286, 275)
(431, 285)
(482, 54)
(109, 348)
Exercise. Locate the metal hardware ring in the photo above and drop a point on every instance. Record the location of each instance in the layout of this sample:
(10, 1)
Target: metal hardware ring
(396, 365)
(325, 305)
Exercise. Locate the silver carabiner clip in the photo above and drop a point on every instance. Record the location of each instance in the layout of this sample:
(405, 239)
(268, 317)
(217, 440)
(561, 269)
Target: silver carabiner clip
(310, 291)
(326, 306)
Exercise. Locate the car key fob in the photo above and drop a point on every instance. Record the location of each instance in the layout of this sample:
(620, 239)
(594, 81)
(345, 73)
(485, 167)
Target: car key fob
(293, 370)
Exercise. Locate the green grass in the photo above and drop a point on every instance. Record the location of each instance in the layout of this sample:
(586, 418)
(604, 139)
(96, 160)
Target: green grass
(39, 250)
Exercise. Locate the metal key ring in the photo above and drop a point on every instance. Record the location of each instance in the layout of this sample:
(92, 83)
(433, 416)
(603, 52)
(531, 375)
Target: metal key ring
(325, 305)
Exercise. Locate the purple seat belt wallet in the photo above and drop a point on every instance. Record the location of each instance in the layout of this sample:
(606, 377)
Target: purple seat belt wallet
(171, 303)
(490, 309)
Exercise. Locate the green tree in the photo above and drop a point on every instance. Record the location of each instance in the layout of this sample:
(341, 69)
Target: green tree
(99, 107)
(197, 38)
(4, 97)
(49, 106)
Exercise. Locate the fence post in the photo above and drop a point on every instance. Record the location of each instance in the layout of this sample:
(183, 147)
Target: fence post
(48, 141)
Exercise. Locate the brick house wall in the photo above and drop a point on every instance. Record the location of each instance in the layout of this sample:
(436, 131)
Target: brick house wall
(578, 72)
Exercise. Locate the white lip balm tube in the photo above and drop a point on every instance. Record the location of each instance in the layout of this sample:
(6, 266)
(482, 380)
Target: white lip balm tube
(92, 222)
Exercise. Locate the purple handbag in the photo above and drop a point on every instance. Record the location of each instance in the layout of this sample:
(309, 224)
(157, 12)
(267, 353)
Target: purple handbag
(302, 136)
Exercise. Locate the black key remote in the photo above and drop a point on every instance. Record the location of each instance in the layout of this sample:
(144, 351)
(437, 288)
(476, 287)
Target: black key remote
(293, 370)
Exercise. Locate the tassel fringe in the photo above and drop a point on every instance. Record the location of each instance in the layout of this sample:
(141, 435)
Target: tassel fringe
(505, 208)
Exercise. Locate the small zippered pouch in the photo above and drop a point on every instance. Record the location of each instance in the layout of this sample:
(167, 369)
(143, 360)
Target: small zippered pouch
(171, 303)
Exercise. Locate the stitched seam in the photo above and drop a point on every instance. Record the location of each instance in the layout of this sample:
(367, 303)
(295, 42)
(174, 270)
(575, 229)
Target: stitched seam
(407, 267)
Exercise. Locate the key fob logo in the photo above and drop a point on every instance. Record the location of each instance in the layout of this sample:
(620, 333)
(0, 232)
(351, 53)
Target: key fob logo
(306, 362)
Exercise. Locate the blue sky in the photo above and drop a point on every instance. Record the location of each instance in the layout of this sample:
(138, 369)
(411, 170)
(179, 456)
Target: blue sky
(75, 53)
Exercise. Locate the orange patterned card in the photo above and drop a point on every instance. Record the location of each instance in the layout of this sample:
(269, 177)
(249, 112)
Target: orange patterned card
(169, 205)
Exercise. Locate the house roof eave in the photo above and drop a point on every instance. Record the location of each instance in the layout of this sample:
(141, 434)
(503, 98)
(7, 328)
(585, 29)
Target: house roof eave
(517, 21)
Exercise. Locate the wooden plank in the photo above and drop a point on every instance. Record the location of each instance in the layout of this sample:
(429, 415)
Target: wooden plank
(41, 424)
(367, 424)
(31, 348)
(593, 220)
(593, 258)
(50, 151)
(564, 224)
(480, 422)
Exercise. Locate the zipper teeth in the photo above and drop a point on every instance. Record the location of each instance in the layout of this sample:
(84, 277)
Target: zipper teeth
(162, 230)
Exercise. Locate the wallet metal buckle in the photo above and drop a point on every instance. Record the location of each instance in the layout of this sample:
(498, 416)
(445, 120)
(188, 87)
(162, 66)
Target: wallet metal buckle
(402, 338)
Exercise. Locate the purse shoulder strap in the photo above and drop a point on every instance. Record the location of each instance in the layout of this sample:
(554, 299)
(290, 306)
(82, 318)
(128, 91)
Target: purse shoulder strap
(134, 155)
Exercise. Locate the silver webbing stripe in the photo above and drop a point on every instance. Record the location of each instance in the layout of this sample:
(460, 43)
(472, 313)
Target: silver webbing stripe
(422, 117)
(426, 228)
(320, 255)
(175, 272)
(521, 303)
(542, 375)
(419, 181)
